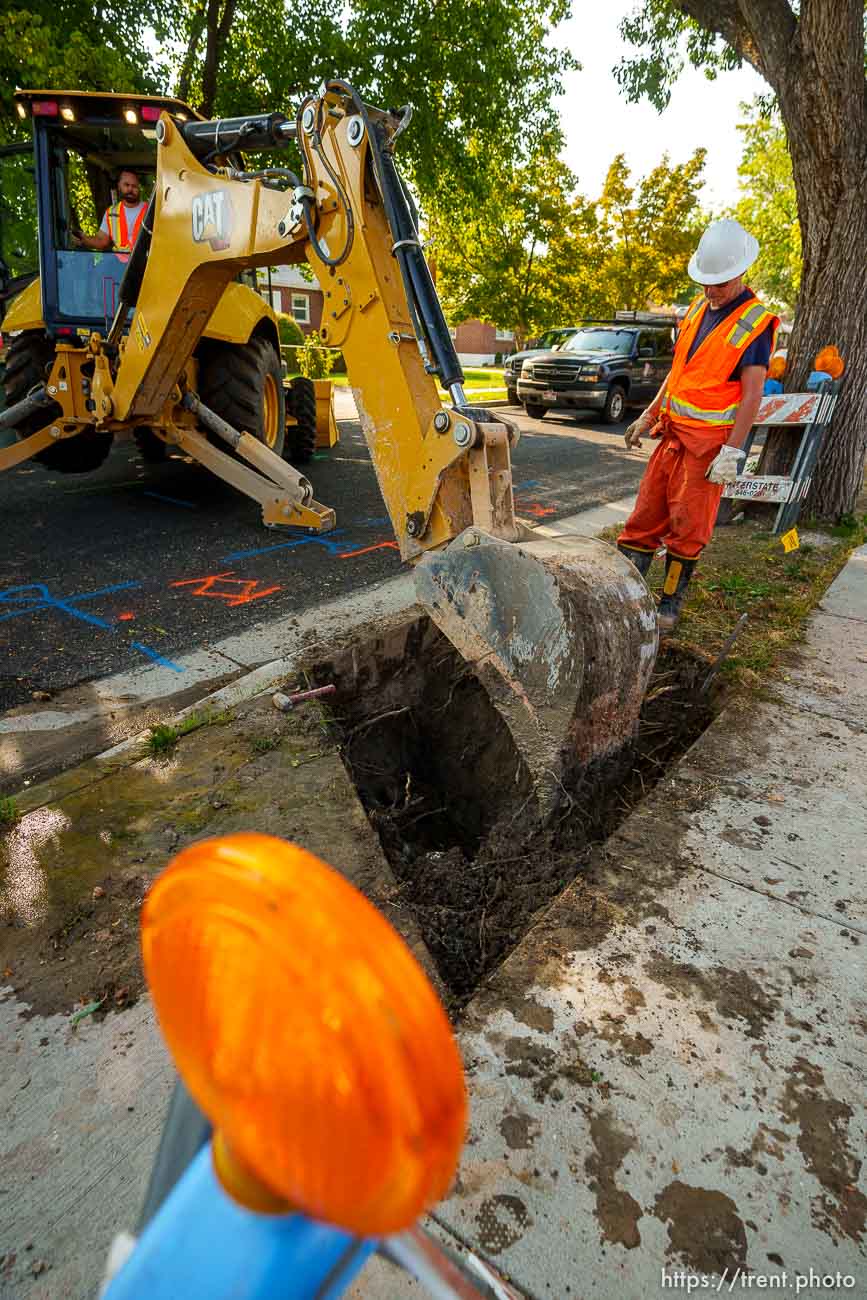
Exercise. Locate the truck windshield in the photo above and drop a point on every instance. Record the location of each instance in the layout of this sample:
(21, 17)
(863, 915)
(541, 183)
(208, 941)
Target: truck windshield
(601, 340)
(554, 338)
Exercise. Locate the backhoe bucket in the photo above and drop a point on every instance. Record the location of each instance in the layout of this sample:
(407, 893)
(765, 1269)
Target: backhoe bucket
(562, 634)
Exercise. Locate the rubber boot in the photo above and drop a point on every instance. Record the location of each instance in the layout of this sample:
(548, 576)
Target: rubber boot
(641, 559)
(677, 575)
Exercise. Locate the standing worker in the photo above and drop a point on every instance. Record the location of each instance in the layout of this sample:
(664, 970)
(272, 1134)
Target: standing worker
(702, 414)
(122, 221)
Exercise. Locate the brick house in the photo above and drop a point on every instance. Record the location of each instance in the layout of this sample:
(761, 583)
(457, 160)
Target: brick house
(477, 343)
(291, 293)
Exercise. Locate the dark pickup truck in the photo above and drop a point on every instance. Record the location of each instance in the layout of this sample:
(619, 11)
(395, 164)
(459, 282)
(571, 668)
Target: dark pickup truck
(603, 367)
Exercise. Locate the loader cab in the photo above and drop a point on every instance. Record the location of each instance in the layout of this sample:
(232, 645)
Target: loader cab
(63, 182)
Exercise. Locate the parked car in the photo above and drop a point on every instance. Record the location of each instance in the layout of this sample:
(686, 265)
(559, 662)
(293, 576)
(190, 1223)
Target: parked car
(604, 366)
(549, 341)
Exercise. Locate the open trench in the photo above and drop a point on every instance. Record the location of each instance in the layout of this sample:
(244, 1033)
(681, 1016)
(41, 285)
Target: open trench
(442, 784)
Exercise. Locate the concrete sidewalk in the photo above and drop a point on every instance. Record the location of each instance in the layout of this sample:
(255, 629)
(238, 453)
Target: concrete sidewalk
(666, 1074)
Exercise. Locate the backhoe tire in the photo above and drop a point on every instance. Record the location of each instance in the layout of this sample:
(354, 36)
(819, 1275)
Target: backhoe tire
(152, 449)
(28, 362)
(301, 437)
(243, 384)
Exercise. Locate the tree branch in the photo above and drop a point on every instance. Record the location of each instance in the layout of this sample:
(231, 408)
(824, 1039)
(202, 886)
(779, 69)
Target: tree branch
(762, 32)
(186, 74)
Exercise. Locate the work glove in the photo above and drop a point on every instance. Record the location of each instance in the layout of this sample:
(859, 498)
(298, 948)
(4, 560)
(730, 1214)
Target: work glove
(638, 427)
(724, 467)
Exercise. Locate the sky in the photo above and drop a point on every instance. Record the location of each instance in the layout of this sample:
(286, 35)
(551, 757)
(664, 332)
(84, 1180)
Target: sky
(599, 123)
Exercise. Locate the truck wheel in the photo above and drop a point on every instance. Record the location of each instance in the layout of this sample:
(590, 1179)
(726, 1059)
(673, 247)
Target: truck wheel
(615, 404)
(535, 411)
(151, 448)
(243, 384)
(301, 437)
(28, 362)
(512, 396)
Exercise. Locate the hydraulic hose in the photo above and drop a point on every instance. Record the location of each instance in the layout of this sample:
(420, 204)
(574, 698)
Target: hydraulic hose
(307, 202)
(406, 246)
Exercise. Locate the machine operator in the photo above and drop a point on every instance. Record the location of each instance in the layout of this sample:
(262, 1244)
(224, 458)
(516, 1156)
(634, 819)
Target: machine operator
(122, 221)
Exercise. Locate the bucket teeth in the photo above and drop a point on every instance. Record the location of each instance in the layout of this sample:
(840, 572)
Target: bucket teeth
(561, 632)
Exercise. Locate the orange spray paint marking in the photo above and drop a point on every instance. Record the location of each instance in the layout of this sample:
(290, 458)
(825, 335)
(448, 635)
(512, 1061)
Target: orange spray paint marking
(234, 591)
(377, 546)
(125, 618)
(534, 508)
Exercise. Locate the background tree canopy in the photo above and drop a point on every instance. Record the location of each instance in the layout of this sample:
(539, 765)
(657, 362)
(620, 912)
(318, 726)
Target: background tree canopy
(481, 74)
(537, 253)
(769, 207)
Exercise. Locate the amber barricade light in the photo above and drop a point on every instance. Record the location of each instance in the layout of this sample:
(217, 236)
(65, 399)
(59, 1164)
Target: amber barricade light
(307, 1033)
(830, 361)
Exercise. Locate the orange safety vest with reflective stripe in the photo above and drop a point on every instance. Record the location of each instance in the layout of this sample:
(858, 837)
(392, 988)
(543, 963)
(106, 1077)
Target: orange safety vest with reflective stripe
(120, 234)
(700, 398)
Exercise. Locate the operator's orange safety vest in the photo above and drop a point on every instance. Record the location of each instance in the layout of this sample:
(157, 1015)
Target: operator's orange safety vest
(121, 237)
(700, 398)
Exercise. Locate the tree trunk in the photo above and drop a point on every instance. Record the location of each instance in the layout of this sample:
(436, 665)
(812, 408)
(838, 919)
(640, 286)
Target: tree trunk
(218, 28)
(186, 74)
(815, 62)
(832, 308)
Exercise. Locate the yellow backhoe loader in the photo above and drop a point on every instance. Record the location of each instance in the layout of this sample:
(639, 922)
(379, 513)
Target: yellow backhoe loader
(560, 630)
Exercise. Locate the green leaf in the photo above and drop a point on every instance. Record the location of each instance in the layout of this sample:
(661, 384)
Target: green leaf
(85, 1011)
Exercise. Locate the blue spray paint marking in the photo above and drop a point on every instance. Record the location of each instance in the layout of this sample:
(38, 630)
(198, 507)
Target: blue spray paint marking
(332, 546)
(42, 599)
(173, 501)
(527, 483)
(156, 656)
(32, 604)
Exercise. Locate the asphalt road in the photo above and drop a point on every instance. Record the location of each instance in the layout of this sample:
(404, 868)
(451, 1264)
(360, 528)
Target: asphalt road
(134, 563)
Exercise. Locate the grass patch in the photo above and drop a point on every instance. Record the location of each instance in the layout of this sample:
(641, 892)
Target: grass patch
(8, 811)
(745, 570)
(164, 736)
(264, 744)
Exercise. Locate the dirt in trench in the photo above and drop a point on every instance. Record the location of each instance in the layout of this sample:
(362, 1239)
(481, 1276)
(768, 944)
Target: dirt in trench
(440, 780)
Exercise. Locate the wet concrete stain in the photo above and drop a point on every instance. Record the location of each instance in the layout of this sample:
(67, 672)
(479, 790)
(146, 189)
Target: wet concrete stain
(534, 1015)
(743, 838)
(74, 871)
(616, 1210)
(704, 1228)
(735, 994)
(519, 1131)
(823, 1123)
(612, 1029)
(768, 1141)
(526, 1059)
(707, 1023)
(502, 1220)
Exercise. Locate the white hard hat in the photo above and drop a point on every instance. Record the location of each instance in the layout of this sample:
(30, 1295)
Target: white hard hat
(724, 252)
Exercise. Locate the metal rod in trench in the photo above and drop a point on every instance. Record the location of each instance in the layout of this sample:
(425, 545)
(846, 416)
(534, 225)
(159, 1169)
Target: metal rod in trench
(724, 653)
